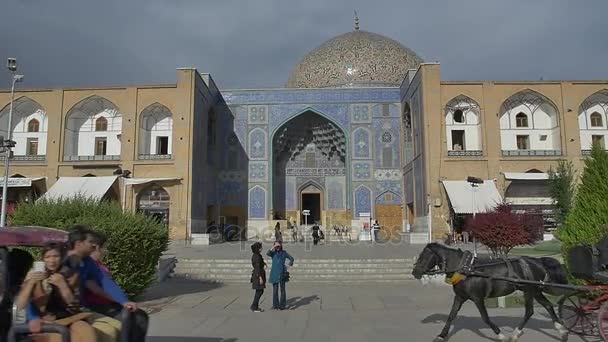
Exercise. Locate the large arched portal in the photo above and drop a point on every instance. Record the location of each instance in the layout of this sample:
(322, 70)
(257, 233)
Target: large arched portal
(309, 153)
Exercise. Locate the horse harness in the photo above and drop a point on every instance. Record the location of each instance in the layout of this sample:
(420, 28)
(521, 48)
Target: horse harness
(466, 268)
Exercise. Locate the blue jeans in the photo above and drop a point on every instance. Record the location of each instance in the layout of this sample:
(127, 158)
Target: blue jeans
(275, 296)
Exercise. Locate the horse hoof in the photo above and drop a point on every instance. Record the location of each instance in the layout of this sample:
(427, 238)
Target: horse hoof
(439, 339)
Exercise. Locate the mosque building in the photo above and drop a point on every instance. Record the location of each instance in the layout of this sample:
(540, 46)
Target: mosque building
(363, 128)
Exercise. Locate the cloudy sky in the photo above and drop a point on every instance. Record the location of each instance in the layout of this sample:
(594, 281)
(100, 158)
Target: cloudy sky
(256, 43)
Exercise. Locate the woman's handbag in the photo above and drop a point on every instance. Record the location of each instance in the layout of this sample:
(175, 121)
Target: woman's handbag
(285, 276)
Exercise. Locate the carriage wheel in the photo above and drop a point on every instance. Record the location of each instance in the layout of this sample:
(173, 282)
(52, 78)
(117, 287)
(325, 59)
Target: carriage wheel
(602, 321)
(578, 315)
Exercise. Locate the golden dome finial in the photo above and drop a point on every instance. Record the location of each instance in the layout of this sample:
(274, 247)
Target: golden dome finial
(356, 21)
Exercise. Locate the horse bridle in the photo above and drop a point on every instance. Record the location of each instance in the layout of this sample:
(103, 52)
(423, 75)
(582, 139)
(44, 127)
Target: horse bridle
(444, 264)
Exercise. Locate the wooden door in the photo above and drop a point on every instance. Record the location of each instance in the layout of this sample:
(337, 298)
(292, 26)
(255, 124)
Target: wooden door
(390, 218)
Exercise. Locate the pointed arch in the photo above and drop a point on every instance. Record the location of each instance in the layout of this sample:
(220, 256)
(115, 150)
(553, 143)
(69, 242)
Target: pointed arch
(82, 140)
(363, 200)
(155, 131)
(463, 126)
(257, 202)
(529, 125)
(30, 138)
(394, 197)
(153, 196)
(311, 183)
(593, 120)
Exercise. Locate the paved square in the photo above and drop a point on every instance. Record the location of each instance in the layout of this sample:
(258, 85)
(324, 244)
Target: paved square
(189, 311)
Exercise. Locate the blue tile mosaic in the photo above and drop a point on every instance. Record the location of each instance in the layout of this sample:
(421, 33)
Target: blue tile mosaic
(257, 202)
(330, 95)
(363, 201)
(361, 143)
(257, 144)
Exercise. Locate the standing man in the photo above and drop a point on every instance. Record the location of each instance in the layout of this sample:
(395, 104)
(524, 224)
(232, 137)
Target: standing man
(375, 230)
(107, 306)
(278, 274)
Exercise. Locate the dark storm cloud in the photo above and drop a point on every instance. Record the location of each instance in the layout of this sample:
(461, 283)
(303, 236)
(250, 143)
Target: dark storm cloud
(256, 43)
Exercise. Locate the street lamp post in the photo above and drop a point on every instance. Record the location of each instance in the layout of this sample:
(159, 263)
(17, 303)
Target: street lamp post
(474, 182)
(7, 144)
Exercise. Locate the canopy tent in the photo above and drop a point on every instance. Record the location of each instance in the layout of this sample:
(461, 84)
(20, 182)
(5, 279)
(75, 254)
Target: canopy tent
(91, 187)
(468, 199)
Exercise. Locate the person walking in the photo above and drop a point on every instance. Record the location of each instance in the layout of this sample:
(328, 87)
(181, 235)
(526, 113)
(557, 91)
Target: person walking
(294, 233)
(375, 230)
(278, 274)
(278, 236)
(315, 234)
(258, 276)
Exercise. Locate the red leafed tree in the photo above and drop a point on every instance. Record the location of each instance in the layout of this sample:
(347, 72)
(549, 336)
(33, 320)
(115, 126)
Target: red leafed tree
(501, 229)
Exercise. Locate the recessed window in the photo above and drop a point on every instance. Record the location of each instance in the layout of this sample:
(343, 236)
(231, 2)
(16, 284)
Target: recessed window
(596, 120)
(101, 145)
(523, 142)
(543, 137)
(598, 140)
(33, 126)
(32, 146)
(458, 116)
(162, 145)
(458, 140)
(101, 124)
(521, 120)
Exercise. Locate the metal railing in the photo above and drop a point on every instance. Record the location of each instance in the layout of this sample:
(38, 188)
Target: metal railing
(28, 158)
(542, 153)
(466, 153)
(91, 158)
(586, 152)
(154, 156)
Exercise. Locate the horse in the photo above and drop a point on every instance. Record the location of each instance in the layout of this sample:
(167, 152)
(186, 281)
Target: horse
(467, 286)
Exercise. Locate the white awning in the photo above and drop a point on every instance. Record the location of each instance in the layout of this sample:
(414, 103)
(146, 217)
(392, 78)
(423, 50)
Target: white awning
(526, 176)
(137, 181)
(529, 200)
(92, 187)
(17, 182)
(466, 199)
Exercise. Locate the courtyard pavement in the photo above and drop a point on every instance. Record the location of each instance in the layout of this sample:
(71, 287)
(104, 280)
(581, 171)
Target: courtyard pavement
(189, 311)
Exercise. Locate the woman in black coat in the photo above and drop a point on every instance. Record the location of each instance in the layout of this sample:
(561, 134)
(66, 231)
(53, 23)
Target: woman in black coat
(258, 275)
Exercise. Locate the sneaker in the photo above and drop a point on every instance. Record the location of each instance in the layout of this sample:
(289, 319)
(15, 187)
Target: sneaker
(257, 310)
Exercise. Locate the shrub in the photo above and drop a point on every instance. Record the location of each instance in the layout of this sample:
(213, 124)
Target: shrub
(500, 230)
(587, 220)
(135, 241)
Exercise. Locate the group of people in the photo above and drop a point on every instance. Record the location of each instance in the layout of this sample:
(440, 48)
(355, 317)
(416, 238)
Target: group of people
(279, 275)
(317, 233)
(72, 287)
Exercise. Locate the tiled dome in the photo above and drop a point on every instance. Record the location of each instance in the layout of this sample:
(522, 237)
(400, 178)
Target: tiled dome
(354, 59)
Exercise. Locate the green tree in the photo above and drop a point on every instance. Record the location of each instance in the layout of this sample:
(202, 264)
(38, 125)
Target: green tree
(586, 222)
(562, 185)
(135, 241)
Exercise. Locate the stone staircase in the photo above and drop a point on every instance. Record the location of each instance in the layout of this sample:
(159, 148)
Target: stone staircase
(304, 270)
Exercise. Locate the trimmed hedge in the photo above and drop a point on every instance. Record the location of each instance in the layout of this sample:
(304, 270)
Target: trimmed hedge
(135, 241)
